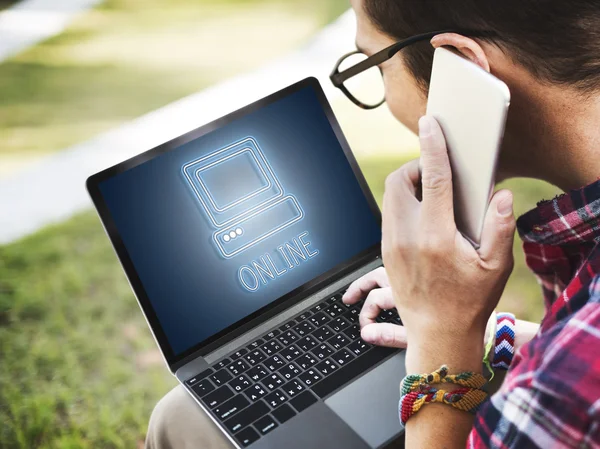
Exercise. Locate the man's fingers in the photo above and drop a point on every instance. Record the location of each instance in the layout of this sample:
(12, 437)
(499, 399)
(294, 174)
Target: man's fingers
(498, 229)
(363, 285)
(378, 300)
(436, 175)
(384, 334)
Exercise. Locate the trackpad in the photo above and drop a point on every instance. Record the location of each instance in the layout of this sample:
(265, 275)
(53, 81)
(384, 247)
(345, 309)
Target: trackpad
(369, 405)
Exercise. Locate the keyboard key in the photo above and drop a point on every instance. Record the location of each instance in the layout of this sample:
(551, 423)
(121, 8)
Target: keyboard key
(290, 353)
(323, 333)
(271, 347)
(304, 316)
(271, 335)
(256, 344)
(222, 364)
(257, 373)
(265, 424)
(346, 373)
(331, 300)
(310, 377)
(240, 383)
(342, 357)
(289, 371)
(255, 392)
(307, 343)
(318, 307)
(319, 319)
(273, 381)
(306, 361)
(203, 387)
(387, 316)
(239, 353)
(218, 396)
(287, 338)
(352, 315)
(276, 398)
(338, 342)
(247, 416)
(283, 413)
(238, 367)
(353, 332)
(231, 407)
(303, 401)
(293, 388)
(221, 377)
(326, 367)
(304, 328)
(247, 436)
(335, 310)
(199, 377)
(359, 347)
(322, 351)
(275, 362)
(255, 357)
(288, 325)
(339, 324)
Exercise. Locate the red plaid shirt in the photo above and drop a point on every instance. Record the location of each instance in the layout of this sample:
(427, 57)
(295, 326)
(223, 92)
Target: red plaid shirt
(550, 397)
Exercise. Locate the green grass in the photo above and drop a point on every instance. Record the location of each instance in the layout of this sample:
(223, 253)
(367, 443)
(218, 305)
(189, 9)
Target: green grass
(79, 366)
(127, 57)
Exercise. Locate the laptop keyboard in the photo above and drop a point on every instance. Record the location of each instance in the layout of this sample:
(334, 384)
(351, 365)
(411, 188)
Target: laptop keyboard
(256, 389)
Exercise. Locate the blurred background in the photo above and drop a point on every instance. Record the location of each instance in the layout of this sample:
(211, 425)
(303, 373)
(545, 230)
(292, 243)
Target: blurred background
(85, 84)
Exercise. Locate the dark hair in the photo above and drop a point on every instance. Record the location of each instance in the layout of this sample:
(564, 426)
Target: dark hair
(558, 41)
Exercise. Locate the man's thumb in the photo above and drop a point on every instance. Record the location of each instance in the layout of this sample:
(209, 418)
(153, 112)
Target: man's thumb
(498, 229)
(384, 334)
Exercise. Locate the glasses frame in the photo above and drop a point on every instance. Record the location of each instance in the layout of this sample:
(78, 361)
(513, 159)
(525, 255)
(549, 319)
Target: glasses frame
(338, 78)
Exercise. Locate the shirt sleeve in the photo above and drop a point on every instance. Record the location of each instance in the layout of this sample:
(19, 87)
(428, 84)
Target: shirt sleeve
(549, 398)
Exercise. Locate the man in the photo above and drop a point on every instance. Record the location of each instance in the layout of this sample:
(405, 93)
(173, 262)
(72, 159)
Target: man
(548, 53)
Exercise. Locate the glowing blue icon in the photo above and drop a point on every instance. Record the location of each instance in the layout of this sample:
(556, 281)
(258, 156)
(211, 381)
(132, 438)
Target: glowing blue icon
(241, 196)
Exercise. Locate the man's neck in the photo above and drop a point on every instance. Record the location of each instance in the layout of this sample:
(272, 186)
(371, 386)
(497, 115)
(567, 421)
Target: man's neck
(555, 133)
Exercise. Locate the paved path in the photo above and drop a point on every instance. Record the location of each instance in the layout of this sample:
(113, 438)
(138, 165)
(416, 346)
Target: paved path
(53, 189)
(31, 21)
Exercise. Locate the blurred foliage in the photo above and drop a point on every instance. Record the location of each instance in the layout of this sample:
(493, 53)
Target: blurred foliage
(128, 57)
(79, 366)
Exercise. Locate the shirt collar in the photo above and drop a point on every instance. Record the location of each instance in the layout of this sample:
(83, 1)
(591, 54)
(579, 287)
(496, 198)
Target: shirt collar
(571, 218)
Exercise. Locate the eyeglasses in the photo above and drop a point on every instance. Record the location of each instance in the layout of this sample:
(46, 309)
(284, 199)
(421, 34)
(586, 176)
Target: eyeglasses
(367, 90)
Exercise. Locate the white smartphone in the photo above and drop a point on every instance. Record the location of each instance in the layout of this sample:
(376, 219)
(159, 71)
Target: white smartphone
(471, 106)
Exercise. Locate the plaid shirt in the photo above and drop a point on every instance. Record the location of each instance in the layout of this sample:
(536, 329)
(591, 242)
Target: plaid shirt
(550, 397)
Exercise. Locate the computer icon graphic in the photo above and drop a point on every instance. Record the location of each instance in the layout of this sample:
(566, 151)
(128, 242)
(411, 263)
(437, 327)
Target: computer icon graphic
(241, 196)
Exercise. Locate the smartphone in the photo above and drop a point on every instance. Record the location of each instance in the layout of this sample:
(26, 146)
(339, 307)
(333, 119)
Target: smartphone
(470, 105)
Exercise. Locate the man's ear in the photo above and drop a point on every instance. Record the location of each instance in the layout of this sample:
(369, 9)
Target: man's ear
(465, 45)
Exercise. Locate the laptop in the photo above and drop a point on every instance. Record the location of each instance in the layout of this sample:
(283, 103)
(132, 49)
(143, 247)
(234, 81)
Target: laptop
(239, 239)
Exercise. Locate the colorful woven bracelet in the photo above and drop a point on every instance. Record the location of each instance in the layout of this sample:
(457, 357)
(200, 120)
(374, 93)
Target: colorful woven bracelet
(504, 348)
(414, 382)
(489, 343)
(465, 399)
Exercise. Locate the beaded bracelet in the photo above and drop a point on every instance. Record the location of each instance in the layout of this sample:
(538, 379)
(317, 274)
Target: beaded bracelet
(465, 399)
(504, 348)
(413, 382)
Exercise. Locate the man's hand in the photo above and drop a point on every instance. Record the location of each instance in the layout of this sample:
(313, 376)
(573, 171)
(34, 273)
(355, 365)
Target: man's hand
(376, 288)
(443, 288)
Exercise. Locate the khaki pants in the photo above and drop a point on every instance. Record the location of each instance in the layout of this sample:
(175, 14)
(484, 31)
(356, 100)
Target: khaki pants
(177, 422)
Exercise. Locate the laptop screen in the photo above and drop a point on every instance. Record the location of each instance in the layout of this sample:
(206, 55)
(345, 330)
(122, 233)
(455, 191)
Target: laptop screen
(227, 223)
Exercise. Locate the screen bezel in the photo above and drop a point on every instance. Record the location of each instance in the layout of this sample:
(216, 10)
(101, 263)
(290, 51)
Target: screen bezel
(236, 329)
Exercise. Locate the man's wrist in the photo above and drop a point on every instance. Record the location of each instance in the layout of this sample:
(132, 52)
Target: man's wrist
(459, 352)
